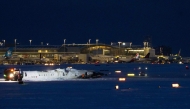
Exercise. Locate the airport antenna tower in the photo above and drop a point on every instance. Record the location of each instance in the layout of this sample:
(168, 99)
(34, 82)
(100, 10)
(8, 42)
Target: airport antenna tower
(149, 40)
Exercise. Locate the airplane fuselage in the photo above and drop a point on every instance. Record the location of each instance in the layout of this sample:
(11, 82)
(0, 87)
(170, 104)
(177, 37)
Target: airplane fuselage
(57, 74)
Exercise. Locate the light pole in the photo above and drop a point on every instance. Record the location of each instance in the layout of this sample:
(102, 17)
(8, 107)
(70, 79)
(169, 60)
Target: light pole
(4, 42)
(97, 41)
(15, 45)
(64, 45)
(96, 46)
(89, 41)
(130, 44)
(119, 46)
(145, 44)
(30, 41)
(89, 46)
(111, 43)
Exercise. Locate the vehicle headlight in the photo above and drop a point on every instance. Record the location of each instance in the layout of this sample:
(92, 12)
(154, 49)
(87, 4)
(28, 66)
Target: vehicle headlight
(11, 75)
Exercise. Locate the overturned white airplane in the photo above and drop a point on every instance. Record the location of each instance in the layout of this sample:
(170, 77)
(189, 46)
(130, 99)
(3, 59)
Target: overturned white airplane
(57, 74)
(49, 75)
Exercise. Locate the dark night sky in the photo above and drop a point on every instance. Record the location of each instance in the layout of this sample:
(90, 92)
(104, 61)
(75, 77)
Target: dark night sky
(51, 21)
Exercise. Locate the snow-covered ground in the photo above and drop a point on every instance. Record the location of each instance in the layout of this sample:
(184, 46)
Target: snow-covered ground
(135, 93)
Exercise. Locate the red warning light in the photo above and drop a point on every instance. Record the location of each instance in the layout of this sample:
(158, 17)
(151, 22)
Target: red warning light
(186, 67)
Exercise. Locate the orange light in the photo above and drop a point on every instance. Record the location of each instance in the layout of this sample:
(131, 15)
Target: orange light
(11, 69)
(121, 79)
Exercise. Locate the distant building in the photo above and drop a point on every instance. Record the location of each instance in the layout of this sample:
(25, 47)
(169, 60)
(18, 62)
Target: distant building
(163, 50)
(126, 44)
(148, 41)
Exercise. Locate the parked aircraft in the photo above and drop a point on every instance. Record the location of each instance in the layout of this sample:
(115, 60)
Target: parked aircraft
(9, 55)
(175, 58)
(138, 59)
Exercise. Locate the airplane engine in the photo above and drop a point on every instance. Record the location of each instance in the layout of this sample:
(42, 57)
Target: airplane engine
(91, 75)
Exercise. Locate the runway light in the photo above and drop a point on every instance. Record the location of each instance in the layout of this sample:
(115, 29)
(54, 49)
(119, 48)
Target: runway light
(118, 71)
(175, 85)
(116, 87)
(131, 74)
(121, 79)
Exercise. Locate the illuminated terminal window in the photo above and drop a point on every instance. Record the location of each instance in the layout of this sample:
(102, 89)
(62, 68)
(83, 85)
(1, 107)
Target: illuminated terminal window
(136, 50)
(39, 51)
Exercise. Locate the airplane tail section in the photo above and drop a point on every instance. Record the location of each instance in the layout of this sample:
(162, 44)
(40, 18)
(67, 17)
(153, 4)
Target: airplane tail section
(8, 53)
(137, 56)
(147, 56)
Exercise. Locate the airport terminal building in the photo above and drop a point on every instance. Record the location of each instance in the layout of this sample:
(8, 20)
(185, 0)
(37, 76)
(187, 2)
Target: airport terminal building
(63, 52)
